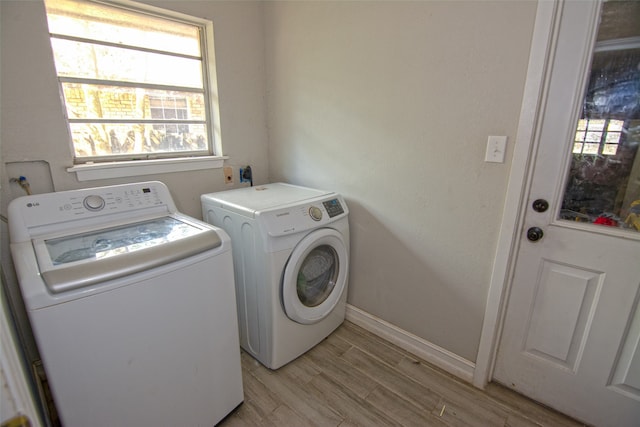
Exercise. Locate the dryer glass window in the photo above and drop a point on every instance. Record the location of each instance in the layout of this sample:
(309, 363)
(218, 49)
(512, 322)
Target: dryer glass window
(317, 276)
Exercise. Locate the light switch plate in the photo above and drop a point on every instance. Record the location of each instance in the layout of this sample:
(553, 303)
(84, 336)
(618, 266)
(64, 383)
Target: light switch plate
(496, 147)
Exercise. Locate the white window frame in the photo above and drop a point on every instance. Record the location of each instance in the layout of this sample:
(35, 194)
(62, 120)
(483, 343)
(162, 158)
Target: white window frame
(90, 170)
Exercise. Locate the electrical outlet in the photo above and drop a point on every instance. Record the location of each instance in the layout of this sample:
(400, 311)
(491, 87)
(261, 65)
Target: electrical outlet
(228, 174)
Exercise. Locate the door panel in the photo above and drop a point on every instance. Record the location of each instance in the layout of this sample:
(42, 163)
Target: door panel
(571, 331)
(626, 374)
(571, 335)
(563, 304)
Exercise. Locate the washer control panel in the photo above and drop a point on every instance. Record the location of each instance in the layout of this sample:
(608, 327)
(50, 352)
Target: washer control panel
(110, 199)
(69, 206)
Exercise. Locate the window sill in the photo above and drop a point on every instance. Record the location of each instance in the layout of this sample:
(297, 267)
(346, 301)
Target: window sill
(95, 171)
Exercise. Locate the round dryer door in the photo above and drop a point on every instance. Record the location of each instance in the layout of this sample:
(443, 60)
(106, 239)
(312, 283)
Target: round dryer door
(315, 276)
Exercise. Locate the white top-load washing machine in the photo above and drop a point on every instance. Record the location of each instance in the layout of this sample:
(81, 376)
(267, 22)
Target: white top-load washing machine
(291, 258)
(132, 305)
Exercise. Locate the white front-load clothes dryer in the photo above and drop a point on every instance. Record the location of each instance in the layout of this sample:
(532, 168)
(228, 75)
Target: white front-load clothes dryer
(291, 260)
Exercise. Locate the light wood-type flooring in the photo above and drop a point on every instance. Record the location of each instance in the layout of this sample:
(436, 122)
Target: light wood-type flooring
(354, 378)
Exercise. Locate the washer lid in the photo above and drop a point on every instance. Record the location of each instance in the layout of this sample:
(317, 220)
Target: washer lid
(73, 261)
(250, 200)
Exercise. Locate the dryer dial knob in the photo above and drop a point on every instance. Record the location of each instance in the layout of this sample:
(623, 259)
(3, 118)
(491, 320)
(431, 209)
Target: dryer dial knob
(315, 213)
(93, 203)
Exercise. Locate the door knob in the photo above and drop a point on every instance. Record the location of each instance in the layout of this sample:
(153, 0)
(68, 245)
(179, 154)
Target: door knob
(540, 205)
(534, 234)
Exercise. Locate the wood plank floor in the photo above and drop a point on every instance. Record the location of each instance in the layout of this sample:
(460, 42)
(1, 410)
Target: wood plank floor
(354, 378)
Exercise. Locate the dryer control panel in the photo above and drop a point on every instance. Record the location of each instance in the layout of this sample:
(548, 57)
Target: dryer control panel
(333, 207)
(303, 217)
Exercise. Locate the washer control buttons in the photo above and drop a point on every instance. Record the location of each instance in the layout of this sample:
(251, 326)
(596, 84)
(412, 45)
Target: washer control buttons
(315, 213)
(93, 203)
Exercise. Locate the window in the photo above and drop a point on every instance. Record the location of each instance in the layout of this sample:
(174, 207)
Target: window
(135, 82)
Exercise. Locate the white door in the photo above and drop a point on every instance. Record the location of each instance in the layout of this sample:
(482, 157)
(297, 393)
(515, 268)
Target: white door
(315, 276)
(571, 336)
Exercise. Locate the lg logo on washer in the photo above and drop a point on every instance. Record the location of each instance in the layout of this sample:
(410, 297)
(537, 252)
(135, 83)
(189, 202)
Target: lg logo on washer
(33, 205)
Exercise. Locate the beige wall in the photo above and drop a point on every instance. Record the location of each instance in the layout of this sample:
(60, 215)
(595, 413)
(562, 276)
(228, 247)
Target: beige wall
(391, 103)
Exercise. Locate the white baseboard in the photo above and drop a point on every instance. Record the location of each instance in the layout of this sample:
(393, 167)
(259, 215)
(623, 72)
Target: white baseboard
(438, 356)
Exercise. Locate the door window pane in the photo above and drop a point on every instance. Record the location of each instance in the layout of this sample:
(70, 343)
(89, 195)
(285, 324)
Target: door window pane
(603, 186)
